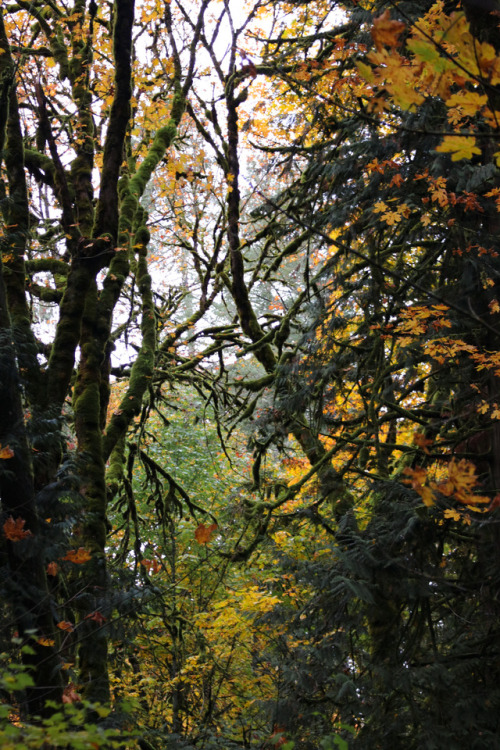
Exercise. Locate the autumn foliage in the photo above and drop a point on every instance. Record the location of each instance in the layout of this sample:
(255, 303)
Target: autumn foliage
(249, 374)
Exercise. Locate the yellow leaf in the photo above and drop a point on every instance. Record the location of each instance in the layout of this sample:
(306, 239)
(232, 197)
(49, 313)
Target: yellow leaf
(459, 146)
(365, 71)
(427, 496)
(469, 102)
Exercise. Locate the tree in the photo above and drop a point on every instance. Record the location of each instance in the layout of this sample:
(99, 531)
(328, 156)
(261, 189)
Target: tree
(84, 164)
(331, 301)
(401, 379)
(84, 249)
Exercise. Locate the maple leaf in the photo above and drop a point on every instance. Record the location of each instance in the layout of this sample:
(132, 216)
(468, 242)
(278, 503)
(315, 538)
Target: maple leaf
(386, 32)
(52, 569)
(96, 617)
(450, 513)
(469, 102)
(397, 180)
(70, 695)
(459, 146)
(66, 625)
(203, 533)
(417, 479)
(391, 218)
(461, 483)
(151, 565)
(45, 641)
(6, 452)
(422, 442)
(375, 166)
(14, 529)
(77, 556)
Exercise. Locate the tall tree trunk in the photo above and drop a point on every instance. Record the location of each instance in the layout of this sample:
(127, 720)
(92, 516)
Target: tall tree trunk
(28, 595)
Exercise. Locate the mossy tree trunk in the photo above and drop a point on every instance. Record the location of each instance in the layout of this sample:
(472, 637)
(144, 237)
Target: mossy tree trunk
(29, 601)
(99, 238)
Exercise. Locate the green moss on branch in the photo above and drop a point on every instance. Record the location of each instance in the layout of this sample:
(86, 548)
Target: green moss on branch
(143, 367)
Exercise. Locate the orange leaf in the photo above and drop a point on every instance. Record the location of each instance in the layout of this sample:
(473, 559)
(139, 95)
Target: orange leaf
(14, 529)
(385, 31)
(52, 569)
(70, 695)
(66, 625)
(96, 617)
(151, 565)
(422, 442)
(77, 556)
(6, 452)
(495, 503)
(203, 533)
(45, 641)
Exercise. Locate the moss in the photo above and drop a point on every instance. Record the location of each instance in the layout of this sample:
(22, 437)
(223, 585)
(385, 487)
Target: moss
(67, 337)
(256, 385)
(92, 655)
(16, 233)
(45, 293)
(132, 226)
(83, 164)
(60, 52)
(81, 177)
(163, 139)
(114, 474)
(142, 236)
(107, 213)
(91, 469)
(35, 161)
(27, 596)
(143, 367)
(128, 208)
(52, 265)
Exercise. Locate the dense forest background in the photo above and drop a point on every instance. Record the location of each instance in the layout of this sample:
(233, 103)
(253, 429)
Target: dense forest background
(249, 374)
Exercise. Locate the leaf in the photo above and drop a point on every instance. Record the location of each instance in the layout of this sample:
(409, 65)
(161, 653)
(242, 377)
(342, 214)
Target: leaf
(151, 565)
(52, 569)
(6, 452)
(70, 695)
(14, 529)
(66, 625)
(77, 556)
(96, 617)
(425, 50)
(469, 102)
(45, 641)
(386, 32)
(203, 533)
(422, 442)
(495, 503)
(417, 479)
(366, 72)
(459, 146)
